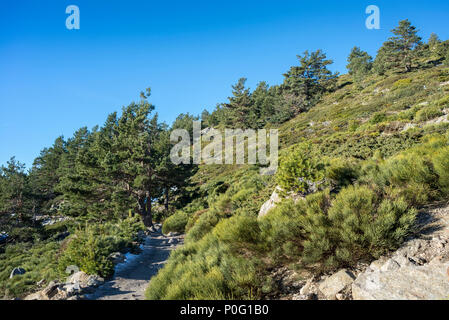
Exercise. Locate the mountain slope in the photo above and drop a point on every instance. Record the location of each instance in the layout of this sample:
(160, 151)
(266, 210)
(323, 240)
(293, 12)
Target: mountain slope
(230, 254)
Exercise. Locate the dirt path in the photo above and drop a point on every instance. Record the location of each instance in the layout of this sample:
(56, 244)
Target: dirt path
(131, 278)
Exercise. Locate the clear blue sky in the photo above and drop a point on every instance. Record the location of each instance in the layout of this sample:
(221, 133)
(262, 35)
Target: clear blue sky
(54, 81)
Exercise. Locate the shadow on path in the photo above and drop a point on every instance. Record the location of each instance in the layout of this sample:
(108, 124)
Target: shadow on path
(131, 278)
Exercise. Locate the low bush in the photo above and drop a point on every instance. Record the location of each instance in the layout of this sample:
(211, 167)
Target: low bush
(240, 233)
(175, 223)
(403, 83)
(342, 171)
(357, 226)
(378, 118)
(428, 113)
(205, 270)
(299, 169)
(90, 248)
(205, 223)
(39, 260)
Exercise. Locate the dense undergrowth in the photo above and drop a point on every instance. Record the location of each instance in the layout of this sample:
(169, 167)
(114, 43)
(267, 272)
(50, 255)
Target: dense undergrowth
(88, 248)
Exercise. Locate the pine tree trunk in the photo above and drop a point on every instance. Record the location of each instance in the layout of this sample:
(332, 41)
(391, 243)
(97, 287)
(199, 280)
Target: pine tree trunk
(166, 198)
(144, 211)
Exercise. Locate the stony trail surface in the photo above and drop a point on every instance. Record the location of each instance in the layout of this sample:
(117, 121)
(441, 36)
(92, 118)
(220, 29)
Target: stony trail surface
(131, 279)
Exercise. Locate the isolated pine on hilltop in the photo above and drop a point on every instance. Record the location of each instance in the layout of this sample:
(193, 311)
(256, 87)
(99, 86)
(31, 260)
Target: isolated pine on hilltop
(400, 51)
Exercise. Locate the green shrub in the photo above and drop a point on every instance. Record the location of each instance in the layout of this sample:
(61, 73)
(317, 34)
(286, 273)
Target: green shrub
(298, 169)
(285, 227)
(362, 230)
(203, 225)
(90, 248)
(428, 113)
(342, 172)
(358, 225)
(38, 260)
(238, 232)
(378, 118)
(403, 83)
(176, 223)
(205, 270)
(413, 176)
(443, 102)
(441, 165)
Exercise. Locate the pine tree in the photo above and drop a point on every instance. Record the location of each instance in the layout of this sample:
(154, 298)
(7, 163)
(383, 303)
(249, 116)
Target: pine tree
(446, 58)
(174, 179)
(240, 105)
(360, 64)
(14, 192)
(385, 59)
(44, 176)
(306, 82)
(76, 184)
(400, 52)
(405, 41)
(433, 42)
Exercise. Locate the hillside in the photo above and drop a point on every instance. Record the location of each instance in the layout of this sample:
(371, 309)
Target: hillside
(362, 156)
(395, 124)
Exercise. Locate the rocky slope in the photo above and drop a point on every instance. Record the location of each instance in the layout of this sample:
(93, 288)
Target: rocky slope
(418, 270)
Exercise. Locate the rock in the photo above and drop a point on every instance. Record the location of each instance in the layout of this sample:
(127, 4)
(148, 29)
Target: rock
(172, 241)
(409, 126)
(117, 257)
(336, 283)
(429, 282)
(17, 272)
(72, 288)
(390, 265)
(173, 234)
(33, 296)
(306, 289)
(271, 203)
(50, 291)
(84, 280)
(377, 264)
(340, 296)
(40, 283)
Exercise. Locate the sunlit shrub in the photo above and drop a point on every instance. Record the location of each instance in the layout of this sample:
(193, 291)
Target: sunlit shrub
(175, 223)
(299, 169)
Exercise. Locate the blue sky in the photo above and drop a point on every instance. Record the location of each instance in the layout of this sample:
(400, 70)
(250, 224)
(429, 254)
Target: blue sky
(54, 81)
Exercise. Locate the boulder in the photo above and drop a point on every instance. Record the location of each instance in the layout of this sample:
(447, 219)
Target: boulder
(84, 280)
(40, 283)
(377, 264)
(428, 282)
(50, 291)
(390, 265)
(72, 288)
(16, 272)
(117, 257)
(336, 283)
(33, 296)
(271, 203)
